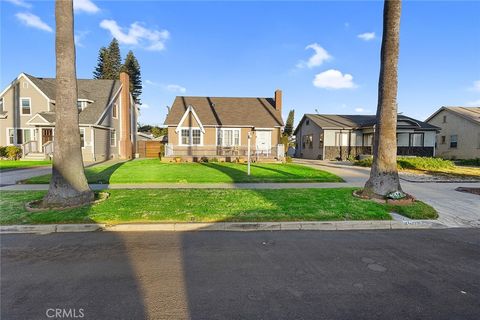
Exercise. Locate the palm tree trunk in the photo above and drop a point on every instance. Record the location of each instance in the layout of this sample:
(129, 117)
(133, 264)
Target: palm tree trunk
(384, 175)
(68, 186)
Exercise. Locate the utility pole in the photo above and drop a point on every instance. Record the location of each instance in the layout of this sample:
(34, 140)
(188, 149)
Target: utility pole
(249, 135)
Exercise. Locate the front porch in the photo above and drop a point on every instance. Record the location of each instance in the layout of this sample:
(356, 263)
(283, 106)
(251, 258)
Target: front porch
(223, 153)
(38, 145)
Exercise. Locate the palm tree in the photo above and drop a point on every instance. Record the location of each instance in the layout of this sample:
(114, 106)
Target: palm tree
(384, 175)
(68, 186)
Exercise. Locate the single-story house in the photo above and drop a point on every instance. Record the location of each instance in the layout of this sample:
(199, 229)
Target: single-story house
(330, 136)
(107, 117)
(459, 136)
(218, 127)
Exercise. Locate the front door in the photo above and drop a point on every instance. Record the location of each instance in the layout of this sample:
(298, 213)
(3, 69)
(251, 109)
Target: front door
(264, 142)
(47, 135)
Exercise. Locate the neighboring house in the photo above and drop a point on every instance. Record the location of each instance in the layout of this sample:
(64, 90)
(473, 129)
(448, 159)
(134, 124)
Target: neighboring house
(328, 136)
(107, 117)
(459, 136)
(214, 127)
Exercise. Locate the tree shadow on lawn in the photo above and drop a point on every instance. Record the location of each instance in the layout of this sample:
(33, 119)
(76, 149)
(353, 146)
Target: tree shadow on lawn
(105, 175)
(237, 175)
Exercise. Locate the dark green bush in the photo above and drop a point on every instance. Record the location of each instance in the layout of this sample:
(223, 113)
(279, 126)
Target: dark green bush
(3, 152)
(469, 162)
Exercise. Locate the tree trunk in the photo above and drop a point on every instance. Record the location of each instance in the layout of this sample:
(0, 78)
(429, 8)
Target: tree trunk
(68, 186)
(384, 175)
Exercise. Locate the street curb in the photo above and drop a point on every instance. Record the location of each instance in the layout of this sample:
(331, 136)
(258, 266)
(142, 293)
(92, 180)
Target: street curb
(227, 226)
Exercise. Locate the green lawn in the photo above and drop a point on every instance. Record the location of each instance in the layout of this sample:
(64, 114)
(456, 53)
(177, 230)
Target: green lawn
(17, 164)
(207, 205)
(152, 170)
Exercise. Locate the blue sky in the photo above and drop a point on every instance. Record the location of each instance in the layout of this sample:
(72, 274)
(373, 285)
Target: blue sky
(323, 55)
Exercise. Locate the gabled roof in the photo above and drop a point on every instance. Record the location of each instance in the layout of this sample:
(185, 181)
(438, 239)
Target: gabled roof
(101, 92)
(469, 113)
(222, 111)
(337, 121)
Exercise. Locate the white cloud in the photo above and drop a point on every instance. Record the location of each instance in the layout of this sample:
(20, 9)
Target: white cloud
(361, 110)
(475, 103)
(176, 88)
(367, 36)
(169, 87)
(85, 6)
(476, 86)
(321, 55)
(145, 106)
(20, 3)
(33, 21)
(137, 35)
(334, 79)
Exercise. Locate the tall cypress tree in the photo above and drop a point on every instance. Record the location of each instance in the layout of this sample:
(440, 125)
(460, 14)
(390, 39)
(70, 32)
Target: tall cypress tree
(112, 63)
(98, 73)
(289, 124)
(132, 67)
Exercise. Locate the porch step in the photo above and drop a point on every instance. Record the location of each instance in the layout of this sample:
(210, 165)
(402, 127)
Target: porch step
(33, 156)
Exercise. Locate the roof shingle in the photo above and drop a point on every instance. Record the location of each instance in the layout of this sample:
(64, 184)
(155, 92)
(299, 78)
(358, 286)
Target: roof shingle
(222, 111)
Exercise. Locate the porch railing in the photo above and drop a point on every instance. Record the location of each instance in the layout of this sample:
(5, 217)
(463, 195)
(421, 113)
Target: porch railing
(48, 149)
(27, 147)
(211, 151)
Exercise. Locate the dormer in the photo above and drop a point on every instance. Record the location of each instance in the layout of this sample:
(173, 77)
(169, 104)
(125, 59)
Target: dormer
(82, 104)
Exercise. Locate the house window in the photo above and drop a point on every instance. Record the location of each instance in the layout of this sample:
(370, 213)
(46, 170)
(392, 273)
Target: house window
(11, 136)
(26, 108)
(115, 111)
(113, 138)
(416, 139)
(443, 140)
(228, 137)
(307, 141)
(196, 136)
(1, 104)
(307, 122)
(368, 140)
(320, 141)
(453, 141)
(82, 137)
(444, 119)
(185, 136)
(341, 139)
(25, 84)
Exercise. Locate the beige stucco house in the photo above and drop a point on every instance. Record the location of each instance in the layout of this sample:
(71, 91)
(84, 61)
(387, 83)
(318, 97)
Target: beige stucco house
(218, 127)
(107, 117)
(459, 136)
(330, 136)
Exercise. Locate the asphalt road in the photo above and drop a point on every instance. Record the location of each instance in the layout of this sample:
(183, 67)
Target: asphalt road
(402, 274)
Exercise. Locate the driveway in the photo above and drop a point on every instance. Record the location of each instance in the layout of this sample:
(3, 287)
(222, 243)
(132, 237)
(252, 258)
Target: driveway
(11, 177)
(400, 274)
(455, 209)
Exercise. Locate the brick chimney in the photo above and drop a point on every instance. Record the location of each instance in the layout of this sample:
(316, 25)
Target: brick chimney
(278, 100)
(125, 134)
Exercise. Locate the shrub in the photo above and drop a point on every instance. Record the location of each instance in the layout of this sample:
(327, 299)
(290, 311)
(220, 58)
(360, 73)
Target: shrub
(469, 162)
(367, 162)
(13, 152)
(417, 163)
(204, 159)
(288, 159)
(3, 152)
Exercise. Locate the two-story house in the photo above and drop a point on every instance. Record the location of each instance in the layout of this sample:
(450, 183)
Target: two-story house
(107, 117)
